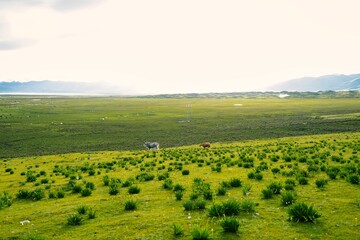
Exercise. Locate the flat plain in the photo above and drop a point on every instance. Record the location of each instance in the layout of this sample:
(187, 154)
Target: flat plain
(60, 156)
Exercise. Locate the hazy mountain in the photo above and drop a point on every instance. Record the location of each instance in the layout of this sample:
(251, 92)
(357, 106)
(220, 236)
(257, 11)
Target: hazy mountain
(57, 87)
(333, 82)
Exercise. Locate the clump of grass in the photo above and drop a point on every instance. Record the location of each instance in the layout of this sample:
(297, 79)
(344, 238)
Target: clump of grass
(179, 195)
(275, 187)
(91, 213)
(37, 194)
(168, 184)
(301, 212)
(5, 200)
(208, 195)
(267, 193)
(200, 233)
(230, 224)
(231, 207)
(145, 177)
(106, 180)
(320, 183)
(86, 192)
(134, 189)
(247, 206)
(235, 182)
(288, 198)
(303, 181)
(82, 209)
(75, 219)
(60, 194)
(221, 191)
(77, 188)
(354, 179)
(177, 230)
(113, 189)
(194, 205)
(200, 204)
(246, 189)
(185, 172)
(178, 187)
(130, 205)
(23, 194)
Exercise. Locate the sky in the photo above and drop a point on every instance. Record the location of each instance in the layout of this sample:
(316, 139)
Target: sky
(168, 46)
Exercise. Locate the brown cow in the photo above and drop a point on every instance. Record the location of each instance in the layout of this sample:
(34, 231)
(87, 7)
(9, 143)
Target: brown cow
(205, 145)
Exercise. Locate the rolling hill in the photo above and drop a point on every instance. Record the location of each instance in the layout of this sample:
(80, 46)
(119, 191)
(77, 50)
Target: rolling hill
(334, 82)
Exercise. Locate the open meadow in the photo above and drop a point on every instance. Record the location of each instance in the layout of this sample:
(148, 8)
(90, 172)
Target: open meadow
(76, 168)
(38, 125)
(188, 191)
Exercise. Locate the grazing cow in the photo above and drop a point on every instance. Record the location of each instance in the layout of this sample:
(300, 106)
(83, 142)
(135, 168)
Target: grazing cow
(205, 145)
(151, 145)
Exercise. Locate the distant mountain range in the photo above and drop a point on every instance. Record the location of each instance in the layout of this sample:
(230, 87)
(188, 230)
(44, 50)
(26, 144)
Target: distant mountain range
(57, 87)
(334, 82)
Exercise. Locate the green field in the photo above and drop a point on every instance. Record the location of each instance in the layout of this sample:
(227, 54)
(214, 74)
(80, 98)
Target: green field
(36, 125)
(63, 155)
(331, 158)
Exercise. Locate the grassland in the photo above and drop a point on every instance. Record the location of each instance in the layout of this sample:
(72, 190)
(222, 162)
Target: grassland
(58, 154)
(36, 125)
(309, 157)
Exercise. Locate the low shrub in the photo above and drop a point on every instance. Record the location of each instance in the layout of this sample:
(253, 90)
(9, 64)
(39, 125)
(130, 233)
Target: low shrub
(77, 188)
(86, 192)
(275, 187)
(247, 206)
(287, 198)
(106, 180)
(246, 189)
(259, 176)
(82, 209)
(91, 213)
(179, 187)
(235, 182)
(134, 189)
(163, 176)
(267, 193)
(303, 181)
(199, 233)
(90, 185)
(177, 230)
(230, 224)
(221, 191)
(37, 194)
(208, 195)
(189, 205)
(320, 183)
(168, 184)
(301, 212)
(75, 219)
(5, 200)
(200, 204)
(353, 178)
(130, 205)
(113, 189)
(179, 195)
(145, 177)
(60, 194)
(231, 207)
(185, 172)
(23, 194)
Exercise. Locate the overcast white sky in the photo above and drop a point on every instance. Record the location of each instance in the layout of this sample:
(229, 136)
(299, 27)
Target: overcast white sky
(168, 46)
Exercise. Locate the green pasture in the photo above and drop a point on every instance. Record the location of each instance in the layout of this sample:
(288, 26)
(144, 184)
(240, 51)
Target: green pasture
(333, 158)
(38, 125)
